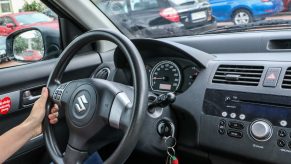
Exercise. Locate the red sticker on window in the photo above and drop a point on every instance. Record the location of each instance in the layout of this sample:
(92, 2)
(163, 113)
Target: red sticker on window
(5, 105)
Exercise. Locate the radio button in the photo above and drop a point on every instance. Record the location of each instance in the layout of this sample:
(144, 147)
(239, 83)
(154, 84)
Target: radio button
(224, 114)
(283, 123)
(281, 143)
(242, 116)
(282, 133)
(236, 125)
(234, 134)
(232, 115)
(261, 130)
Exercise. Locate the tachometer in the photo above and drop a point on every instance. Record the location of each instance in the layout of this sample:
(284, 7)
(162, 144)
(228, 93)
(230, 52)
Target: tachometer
(165, 77)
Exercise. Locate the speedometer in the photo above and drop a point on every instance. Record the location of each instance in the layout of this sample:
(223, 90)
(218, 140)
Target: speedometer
(165, 77)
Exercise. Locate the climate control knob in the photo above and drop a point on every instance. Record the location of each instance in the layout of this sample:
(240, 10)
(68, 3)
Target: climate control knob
(261, 130)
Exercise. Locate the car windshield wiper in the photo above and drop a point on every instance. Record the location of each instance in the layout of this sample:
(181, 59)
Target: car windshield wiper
(250, 26)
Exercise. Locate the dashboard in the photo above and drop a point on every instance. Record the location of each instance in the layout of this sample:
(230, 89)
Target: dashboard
(225, 102)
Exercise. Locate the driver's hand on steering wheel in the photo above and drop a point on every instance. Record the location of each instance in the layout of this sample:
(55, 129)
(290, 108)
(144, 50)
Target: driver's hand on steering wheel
(38, 112)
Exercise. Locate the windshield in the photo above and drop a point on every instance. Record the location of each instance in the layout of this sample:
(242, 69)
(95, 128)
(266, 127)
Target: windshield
(31, 18)
(170, 18)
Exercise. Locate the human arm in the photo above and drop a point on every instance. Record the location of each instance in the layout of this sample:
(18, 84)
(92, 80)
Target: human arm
(15, 138)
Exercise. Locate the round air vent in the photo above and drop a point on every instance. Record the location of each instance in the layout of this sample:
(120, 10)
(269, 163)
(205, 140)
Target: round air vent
(102, 73)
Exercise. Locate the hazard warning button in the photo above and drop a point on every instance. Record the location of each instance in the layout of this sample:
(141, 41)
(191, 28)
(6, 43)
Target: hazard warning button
(272, 77)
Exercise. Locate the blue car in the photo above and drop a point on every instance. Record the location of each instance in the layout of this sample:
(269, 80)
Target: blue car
(244, 11)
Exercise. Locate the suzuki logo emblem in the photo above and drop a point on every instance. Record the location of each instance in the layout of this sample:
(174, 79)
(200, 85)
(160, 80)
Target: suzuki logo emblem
(80, 105)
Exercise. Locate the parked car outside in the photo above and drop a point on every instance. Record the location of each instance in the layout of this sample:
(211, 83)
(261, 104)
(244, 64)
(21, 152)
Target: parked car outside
(29, 55)
(162, 17)
(3, 56)
(244, 11)
(13, 22)
(287, 5)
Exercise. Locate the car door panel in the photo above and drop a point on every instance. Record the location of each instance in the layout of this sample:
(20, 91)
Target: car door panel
(221, 9)
(2, 26)
(9, 102)
(15, 81)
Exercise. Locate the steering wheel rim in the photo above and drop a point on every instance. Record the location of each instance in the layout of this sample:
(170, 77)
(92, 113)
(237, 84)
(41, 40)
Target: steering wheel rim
(140, 85)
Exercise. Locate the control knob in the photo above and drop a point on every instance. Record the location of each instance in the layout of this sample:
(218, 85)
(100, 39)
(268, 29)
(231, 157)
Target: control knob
(261, 130)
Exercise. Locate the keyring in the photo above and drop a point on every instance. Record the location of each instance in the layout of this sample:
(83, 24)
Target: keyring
(173, 153)
(172, 143)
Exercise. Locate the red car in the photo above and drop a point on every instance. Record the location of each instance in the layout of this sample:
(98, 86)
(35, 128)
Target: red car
(30, 55)
(287, 5)
(13, 22)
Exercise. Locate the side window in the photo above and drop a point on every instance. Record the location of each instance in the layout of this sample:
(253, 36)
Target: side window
(2, 22)
(139, 5)
(29, 46)
(8, 20)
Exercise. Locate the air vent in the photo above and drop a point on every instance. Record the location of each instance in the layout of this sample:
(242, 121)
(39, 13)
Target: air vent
(287, 79)
(238, 75)
(102, 73)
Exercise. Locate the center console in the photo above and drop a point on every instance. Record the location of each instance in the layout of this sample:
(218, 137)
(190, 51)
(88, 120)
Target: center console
(256, 125)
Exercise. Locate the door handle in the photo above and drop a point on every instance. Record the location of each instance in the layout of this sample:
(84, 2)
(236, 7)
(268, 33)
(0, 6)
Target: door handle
(28, 98)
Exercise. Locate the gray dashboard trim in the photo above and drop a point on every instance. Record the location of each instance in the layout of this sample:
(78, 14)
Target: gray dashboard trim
(238, 42)
(201, 58)
(259, 57)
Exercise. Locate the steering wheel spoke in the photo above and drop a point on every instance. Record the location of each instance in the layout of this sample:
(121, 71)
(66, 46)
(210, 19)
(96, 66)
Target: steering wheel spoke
(73, 155)
(121, 108)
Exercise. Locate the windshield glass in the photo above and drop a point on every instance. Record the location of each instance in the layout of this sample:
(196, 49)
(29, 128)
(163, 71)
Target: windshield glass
(169, 18)
(32, 18)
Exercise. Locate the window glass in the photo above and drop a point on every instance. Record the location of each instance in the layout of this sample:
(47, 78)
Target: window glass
(31, 18)
(5, 6)
(171, 18)
(138, 5)
(115, 7)
(28, 46)
(9, 20)
(2, 21)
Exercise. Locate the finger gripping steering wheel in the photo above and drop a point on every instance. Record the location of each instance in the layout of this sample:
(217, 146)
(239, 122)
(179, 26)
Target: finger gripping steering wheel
(91, 104)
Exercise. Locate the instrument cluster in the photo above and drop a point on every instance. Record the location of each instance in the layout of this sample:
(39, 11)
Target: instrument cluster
(170, 74)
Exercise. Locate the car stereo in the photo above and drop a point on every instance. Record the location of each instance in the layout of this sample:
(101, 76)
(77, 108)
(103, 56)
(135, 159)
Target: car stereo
(251, 124)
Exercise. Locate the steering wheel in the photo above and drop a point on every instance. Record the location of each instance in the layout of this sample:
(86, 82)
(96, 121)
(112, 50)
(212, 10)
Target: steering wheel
(92, 104)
